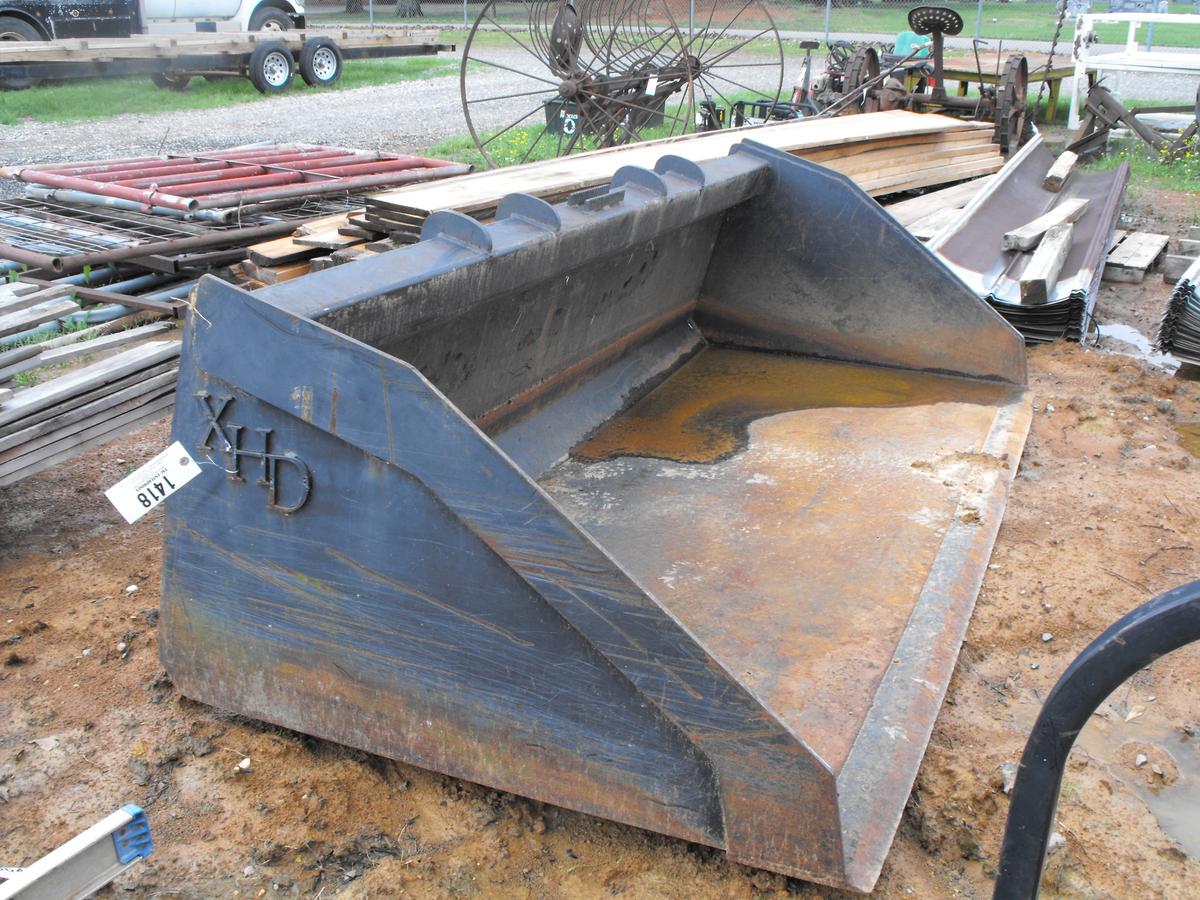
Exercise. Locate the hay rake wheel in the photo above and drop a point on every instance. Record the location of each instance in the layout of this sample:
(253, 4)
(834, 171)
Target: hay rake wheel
(580, 75)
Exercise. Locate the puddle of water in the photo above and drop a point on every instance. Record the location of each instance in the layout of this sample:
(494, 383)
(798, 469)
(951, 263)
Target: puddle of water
(1175, 806)
(702, 413)
(1189, 437)
(1113, 744)
(1126, 334)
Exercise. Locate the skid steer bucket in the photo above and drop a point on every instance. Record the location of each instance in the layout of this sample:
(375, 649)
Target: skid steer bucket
(668, 503)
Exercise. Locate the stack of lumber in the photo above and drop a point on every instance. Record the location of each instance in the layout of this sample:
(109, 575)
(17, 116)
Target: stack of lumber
(49, 422)
(1179, 331)
(885, 153)
(930, 213)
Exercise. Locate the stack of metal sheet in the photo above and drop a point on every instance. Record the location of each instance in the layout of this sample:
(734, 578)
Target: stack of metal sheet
(973, 245)
(1179, 332)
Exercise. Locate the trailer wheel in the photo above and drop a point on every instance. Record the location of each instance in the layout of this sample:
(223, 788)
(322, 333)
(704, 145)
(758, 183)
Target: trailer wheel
(320, 62)
(170, 81)
(271, 67)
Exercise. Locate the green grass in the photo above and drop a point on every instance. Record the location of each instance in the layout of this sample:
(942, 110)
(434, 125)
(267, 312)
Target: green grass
(78, 101)
(1146, 167)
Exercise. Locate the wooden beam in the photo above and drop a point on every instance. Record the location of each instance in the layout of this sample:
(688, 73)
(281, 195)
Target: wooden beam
(1060, 171)
(1027, 236)
(1041, 275)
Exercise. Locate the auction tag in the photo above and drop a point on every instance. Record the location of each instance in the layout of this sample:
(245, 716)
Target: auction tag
(651, 85)
(137, 494)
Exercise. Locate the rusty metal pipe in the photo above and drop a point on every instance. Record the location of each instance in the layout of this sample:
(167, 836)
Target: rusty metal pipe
(49, 179)
(408, 176)
(207, 188)
(368, 168)
(192, 177)
(158, 171)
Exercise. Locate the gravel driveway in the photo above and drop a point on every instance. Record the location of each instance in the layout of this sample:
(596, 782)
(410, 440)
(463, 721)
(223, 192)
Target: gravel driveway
(407, 117)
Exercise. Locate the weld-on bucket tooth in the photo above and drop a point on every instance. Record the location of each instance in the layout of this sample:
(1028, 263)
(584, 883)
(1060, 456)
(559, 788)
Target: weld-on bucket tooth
(668, 503)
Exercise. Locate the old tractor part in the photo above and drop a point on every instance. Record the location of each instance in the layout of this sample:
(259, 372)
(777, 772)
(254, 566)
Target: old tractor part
(1166, 623)
(580, 75)
(1103, 112)
(973, 245)
(652, 503)
(868, 83)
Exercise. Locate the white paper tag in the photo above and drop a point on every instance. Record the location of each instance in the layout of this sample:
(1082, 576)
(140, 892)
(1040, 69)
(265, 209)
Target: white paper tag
(651, 85)
(138, 493)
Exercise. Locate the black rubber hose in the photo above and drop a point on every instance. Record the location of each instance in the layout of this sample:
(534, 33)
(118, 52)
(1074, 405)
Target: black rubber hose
(1164, 624)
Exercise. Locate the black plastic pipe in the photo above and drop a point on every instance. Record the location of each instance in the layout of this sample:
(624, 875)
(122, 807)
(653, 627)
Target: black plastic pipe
(1152, 630)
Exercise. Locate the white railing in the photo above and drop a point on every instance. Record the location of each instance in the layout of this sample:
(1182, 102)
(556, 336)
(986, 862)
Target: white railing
(1132, 59)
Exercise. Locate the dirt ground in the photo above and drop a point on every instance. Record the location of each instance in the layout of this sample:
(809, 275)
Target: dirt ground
(1102, 515)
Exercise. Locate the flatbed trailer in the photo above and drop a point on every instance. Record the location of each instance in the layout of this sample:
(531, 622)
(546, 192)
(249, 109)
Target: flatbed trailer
(268, 59)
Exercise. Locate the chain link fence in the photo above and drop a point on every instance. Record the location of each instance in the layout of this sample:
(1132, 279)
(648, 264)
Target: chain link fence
(1026, 20)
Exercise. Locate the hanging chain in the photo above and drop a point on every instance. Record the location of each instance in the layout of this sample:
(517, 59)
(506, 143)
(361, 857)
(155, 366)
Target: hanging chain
(1062, 15)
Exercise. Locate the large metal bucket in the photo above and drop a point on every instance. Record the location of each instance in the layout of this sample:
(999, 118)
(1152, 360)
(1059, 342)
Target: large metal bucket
(669, 503)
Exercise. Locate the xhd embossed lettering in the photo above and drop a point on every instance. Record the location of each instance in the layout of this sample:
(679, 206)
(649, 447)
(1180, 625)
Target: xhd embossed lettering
(228, 440)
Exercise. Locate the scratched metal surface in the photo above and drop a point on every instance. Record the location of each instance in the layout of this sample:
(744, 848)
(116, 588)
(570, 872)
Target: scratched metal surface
(368, 557)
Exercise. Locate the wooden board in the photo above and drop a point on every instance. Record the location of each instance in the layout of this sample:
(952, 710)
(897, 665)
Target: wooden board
(23, 320)
(956, 197)
(1041, 275)
(1128, 261)
(483, 190)
(1027, 236)
(1060, 171)
(925, 228)
(54, 355)
(45, 395)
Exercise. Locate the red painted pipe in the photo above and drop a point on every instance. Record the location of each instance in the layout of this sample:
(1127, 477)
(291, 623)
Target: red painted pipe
(369, 168)
(157, 171)
(102, 165)
(205, 188)
(192, 177)
(33, 176)
(406, 176)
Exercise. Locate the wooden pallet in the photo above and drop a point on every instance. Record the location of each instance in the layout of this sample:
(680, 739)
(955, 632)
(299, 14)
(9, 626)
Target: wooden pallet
(1134, 253)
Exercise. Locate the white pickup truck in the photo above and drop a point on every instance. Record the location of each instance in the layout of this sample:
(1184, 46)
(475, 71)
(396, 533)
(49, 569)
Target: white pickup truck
(39, 20)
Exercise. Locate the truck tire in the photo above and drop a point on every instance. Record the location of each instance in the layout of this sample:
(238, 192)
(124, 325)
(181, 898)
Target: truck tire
(320, 62)
(271, 67)
(269, 19)
(14, 29)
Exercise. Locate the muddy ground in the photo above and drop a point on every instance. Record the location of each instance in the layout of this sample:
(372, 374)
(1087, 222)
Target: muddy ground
(1102, 515)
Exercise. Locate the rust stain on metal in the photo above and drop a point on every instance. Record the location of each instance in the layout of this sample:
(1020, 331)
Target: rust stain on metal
(703, 413)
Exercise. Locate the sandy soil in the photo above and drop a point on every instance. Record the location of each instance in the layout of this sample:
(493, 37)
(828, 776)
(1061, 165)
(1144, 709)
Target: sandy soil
(1103, 515)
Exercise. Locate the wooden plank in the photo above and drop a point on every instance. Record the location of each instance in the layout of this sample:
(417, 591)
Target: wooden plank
(1174, 265)
(484, 190)
(54, 355)
(92, 410)
(1041, 275)
(41, 396)
(77, 400)
(14, 323)
(280, 274)
(1128, 261)
(17, 451)
(957, 196)
(280, 252)
(925, 228)
(5, 395)
(1060, 171)
(1027, 236)
(32, 297)
(1194, 232)
(1189, 247)
(329, 239)
(99, 295)
(93, 437)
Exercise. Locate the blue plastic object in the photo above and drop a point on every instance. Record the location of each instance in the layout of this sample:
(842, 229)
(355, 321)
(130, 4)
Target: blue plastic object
(907, 41)
(134, 841)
